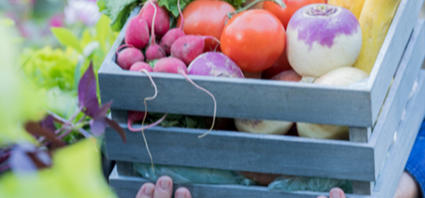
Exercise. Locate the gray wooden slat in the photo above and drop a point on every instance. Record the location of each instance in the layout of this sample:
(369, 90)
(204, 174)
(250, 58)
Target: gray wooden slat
(126, 186)
(392, 49)
(392, 110)
(243, 98)
(389, 177)
(246, 152)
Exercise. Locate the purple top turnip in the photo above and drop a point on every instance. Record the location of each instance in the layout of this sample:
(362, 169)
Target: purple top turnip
(321, 38)
(214, 64)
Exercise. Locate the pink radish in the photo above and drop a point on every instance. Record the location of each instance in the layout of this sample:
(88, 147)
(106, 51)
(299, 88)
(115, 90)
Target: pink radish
(170, 65)
(128, 56)
(188, 47)
(162, 24)
(173, 34)
(139, 66)
(176, 66)
(154, 51)
(137, 33)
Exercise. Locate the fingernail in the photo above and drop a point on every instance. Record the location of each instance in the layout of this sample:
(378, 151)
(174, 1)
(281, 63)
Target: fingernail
(148, 190)
(182, 194)
(165, 184)
(336, 194)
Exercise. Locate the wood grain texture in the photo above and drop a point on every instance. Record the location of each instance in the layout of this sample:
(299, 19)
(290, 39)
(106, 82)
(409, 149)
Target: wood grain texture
(247, 152)
(392, 110)
(391, 52)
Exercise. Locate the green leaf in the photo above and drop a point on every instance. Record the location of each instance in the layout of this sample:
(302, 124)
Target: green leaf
(76, 172)
(67, 38)
(171, 5)
(118, 11)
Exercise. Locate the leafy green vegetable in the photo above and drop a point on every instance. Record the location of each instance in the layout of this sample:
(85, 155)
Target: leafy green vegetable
(67, 38)
(171, 5)
(118, 11)
(49, 68)
(75, 173)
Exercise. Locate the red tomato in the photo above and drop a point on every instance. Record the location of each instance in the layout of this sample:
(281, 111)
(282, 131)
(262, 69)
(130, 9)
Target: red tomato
(206, 17)
(254, 39)
(284, 14)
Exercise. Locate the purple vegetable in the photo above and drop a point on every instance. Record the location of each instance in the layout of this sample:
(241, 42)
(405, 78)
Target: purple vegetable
(214, 64)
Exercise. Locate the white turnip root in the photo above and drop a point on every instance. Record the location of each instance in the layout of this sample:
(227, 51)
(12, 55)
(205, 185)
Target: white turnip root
(321, 38)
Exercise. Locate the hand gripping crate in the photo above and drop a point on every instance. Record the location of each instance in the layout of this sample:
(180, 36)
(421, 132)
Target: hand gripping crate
(383, 115)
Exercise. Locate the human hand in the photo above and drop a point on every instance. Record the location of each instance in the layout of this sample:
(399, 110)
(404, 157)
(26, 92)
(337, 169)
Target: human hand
(162, 189)
(407, 188)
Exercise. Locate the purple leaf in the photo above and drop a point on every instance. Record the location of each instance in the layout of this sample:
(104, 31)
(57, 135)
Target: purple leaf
(98, 126)
(117, 128)
(48, 123)
(103, 110)
(87, 95)
(37, 130)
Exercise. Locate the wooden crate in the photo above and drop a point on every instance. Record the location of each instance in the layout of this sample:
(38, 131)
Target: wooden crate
(126, 183)
(374, 113)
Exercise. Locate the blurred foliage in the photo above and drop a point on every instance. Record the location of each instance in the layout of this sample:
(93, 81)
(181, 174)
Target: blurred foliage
(20, 100)
(75, 173)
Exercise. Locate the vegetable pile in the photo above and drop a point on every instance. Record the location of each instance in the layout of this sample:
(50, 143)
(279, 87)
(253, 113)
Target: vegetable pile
(273, 40)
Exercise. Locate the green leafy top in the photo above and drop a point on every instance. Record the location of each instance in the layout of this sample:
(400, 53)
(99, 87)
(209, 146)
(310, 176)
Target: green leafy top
(119, 11)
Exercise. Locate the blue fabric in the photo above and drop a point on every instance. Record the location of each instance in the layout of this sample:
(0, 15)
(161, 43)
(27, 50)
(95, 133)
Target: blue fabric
(416, 164)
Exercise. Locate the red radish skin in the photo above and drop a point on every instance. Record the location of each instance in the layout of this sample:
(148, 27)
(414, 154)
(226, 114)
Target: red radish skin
(170, 65)
(154, 51)
(162, 20)
(128, 57)
(173, 34)
(188, 47)
(289, 75)
(139, 66)
(137, 33)
(170, 37)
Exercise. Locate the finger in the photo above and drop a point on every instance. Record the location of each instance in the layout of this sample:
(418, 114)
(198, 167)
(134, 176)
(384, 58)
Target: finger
(146, 191)
(336, 193)
(182, 193)
(163, 188)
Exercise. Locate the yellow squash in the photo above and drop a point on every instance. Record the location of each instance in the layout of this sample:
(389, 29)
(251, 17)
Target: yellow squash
(375, 20)
(355, 6)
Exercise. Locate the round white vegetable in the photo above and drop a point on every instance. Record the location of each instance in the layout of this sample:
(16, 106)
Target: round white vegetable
(321, 38)
(343, 76)
(263, 126)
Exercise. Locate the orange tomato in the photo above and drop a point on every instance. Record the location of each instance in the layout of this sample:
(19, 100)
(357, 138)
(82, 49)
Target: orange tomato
(284, 14)
(206, 17)
(254, 39)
